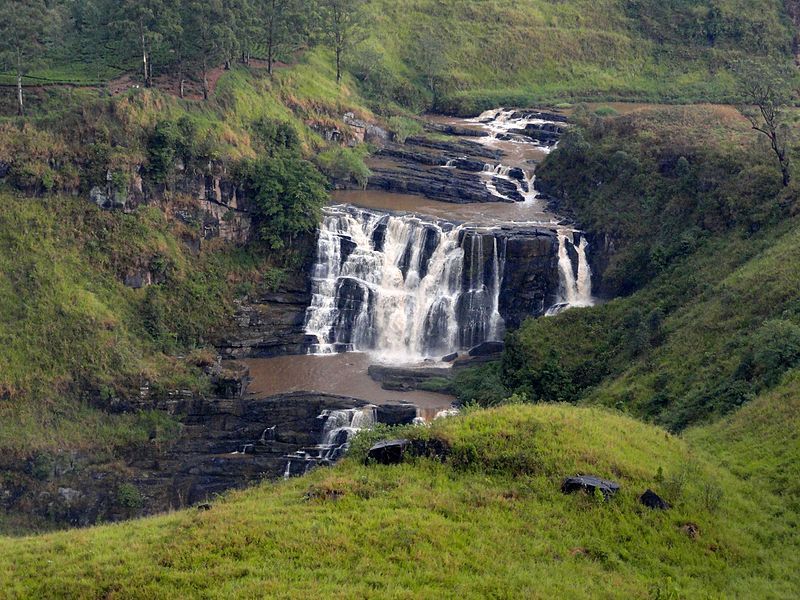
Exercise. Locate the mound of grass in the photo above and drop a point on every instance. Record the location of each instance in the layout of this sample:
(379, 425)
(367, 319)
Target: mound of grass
(490, 521)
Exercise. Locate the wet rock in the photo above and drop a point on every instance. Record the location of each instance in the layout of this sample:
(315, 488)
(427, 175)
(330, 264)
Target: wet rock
(487, 348)
(450, 357)
(457, 130)
(405, 378)
(389, 452)
(589, 483)
(396, 414)
(652, 500)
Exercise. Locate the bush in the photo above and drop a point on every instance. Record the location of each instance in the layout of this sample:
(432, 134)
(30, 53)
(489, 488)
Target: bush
(773, 350)
(128, 496)
(288, 194)
(403, 128)
(345, 164)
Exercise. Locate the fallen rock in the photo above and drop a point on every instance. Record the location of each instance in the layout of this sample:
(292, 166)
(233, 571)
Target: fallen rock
(388, 452)
(589, 483)
(450, 357)
(691, 530)
(652, 500)
(487, 348)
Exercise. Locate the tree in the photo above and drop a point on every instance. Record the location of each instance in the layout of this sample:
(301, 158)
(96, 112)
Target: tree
(343, 27)
(22, 39)
(288, 194)
(143, 22)
(282, 21)
(208, 27)
(766, 93)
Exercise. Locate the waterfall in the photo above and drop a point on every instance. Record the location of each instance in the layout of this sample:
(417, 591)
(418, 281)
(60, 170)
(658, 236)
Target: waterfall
(575, 288)
(337, 432)
(402, 286)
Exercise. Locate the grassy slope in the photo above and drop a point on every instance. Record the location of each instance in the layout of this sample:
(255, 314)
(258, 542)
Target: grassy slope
(715, 248)
(69, 326)
(489, 522)
(505, 52)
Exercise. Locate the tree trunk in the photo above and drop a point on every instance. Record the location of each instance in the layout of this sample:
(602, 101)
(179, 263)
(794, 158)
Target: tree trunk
(205, 80)
(338, 64)
(20, 102)
(145, 66)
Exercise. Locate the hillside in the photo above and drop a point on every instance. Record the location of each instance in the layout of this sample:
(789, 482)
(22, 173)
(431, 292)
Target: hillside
(153, 225)
(426, 528)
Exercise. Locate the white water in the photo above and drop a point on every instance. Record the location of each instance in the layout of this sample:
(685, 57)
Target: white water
(339, 429)
(526, 187)
(575, 290)
(401, 287)
(500, 122)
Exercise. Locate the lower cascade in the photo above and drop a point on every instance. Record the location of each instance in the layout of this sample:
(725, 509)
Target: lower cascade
(403, 286)
(575, 282)
(339, 428)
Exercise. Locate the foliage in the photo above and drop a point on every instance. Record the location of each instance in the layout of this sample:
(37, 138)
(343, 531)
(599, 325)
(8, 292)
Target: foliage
(288, 194)
(345, 164)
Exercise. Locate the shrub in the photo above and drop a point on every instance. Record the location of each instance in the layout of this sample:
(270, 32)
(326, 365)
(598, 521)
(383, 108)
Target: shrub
(345, 164)
(403, 128)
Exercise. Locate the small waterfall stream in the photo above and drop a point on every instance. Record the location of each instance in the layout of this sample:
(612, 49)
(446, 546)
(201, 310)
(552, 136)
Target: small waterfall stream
(575, 282)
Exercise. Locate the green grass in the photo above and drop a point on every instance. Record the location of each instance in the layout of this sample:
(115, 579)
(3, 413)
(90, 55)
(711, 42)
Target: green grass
(70, 329)
(490, 521)
(467, 56)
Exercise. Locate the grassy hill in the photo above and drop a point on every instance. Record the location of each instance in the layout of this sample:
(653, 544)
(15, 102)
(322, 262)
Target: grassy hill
(467, 56)
(489, 521)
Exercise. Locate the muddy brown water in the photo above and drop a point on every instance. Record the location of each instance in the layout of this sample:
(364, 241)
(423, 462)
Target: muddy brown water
(484, 213)
(342, 374)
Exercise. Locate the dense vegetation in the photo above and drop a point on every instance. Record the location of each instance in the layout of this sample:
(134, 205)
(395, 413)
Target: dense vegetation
(458, 56)
(701, 232)
(703, 338)
(490, 521)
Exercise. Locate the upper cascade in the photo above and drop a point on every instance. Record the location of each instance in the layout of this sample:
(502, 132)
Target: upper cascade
(406, 287)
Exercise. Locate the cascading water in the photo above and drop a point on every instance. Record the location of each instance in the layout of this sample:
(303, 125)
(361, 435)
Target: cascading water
(402, 287)
(575, 284)
(525, 181)
(339, 428)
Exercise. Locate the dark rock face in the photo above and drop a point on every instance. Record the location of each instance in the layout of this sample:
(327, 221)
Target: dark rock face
(652, 500)
(530, 279)
(271, 324)
(417, 167)
(389, 452)
(225, 443)
(396, 414)
(589, 483)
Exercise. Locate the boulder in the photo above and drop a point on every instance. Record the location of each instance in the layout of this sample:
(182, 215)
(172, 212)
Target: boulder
(652, 500)
(388, 452)
(5, 168)
(396, 414)
(450, 357)
(487, 348)
(589, 483)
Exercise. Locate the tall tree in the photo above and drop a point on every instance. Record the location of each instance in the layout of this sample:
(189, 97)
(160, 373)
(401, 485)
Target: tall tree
(142, 22)
(282, 22)
(22, 39)
(209, 27)
(343, 25)
(766, 92)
